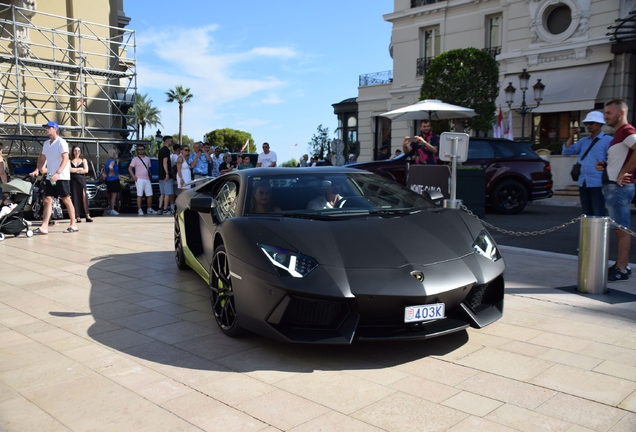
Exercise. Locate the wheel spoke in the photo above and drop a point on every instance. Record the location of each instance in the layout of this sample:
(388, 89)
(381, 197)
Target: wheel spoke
(221, 295)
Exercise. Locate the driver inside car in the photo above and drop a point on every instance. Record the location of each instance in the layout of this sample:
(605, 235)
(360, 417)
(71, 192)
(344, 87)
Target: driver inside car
(330, 199)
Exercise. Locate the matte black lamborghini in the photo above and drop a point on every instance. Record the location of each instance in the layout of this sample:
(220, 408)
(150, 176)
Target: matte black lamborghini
(332, 255)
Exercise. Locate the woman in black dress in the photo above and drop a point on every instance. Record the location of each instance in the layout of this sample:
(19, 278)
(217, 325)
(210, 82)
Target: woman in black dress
(79, 169)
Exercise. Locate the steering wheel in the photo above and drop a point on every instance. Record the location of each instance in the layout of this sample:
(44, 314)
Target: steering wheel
(340, 202)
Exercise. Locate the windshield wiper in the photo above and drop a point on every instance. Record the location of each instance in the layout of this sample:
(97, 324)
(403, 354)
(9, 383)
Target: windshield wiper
(391, 212)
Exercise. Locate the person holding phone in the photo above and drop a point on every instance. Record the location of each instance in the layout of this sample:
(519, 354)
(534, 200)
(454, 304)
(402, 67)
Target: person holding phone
(423, 148)
(590, 149)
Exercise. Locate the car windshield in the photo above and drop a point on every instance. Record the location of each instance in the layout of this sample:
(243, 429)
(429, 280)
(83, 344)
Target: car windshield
(330, 194)
(22, 166)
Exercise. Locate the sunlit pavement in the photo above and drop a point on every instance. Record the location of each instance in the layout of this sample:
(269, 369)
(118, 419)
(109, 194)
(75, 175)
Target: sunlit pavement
(100, 331)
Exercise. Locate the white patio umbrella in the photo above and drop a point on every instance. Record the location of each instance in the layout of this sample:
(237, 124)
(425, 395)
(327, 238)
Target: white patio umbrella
(430, 109)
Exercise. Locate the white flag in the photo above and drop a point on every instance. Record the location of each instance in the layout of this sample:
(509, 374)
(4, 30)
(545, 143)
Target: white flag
(509, 135)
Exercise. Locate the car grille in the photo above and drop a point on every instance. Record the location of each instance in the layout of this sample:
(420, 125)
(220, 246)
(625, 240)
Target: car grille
(484, 296)
(91, 190)
(304, 312)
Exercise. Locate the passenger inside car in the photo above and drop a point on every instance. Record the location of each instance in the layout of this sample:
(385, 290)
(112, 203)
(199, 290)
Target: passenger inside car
(261, 198)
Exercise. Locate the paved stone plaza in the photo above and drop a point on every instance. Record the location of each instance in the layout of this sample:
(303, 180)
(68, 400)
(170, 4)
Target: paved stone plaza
(100, 331)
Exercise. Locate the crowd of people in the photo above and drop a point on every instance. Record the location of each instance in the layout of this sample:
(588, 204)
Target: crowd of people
(606, 180)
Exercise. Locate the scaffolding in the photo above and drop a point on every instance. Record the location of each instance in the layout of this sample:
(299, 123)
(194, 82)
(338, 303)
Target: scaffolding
(79, 74)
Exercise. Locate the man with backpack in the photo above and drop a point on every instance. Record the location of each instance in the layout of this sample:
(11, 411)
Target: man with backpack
(139, 170)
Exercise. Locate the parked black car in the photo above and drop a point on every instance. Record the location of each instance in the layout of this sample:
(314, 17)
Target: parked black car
(21, 166)
(515, 174)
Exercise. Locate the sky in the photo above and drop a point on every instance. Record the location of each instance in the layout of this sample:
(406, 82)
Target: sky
(271, 68)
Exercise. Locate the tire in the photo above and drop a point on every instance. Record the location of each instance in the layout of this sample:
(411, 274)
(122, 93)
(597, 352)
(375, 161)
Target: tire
(222, 295)
(179, 256)
(509, 197)
(1, 237)
(29, 233)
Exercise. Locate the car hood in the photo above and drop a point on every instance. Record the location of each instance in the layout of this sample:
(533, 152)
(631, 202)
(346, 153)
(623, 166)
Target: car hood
(424, 238)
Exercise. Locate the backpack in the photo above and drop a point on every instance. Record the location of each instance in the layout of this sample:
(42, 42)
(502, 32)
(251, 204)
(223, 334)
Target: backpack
(102, 174)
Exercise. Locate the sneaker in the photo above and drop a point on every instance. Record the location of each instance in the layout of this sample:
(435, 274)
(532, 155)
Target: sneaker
(114, 213)
(615, 274)
(628, 269)
(167, 212)
(160, 212)
(151, 212)
(140, 212)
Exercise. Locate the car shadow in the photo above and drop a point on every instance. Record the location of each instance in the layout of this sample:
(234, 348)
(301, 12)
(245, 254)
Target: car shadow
(144, 307)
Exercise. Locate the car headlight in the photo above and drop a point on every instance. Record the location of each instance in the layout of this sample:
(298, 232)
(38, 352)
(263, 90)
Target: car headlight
(102, 187)
(289, 263)
(484, 245)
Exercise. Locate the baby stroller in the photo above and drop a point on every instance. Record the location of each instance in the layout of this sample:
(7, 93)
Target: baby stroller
(19, 192)
(37, 208)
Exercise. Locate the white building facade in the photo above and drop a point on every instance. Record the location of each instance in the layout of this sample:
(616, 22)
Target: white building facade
(577, 48)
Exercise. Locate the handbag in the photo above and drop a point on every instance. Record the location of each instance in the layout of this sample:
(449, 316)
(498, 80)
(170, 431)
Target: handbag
(576, 171)
(576, 168)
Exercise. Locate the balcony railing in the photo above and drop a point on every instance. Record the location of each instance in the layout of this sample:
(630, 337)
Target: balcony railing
(376, 78)
(423, 64)
(493, 51)
(418, 3)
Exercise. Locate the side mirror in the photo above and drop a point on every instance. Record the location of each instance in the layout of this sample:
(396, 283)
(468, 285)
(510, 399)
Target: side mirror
(434, 195)
(202, 204)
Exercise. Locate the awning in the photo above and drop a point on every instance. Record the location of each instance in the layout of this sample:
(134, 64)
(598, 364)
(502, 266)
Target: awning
(569, 89)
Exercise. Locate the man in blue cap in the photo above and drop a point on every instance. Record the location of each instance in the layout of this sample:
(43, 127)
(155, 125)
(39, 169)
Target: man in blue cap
(58, 180)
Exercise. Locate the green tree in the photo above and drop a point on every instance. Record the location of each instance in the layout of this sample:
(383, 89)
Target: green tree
(181, 95)
(292, 163)
(185, 140)
(144, 114)
(467, 77)
(320, 145)
(232, 139)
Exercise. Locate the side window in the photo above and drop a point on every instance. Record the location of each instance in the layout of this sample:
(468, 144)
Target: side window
(505, 152)
(226, 200)
(480, 150)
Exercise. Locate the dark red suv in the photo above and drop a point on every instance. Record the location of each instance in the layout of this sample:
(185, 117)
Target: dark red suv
(515, 174)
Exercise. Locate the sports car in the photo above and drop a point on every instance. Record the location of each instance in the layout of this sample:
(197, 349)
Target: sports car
(335, 255)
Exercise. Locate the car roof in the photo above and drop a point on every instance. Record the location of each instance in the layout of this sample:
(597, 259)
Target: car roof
(252, 172)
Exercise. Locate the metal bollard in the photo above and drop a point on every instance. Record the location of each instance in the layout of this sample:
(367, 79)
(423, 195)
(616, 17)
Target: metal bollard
(452, 203)
(593, 254)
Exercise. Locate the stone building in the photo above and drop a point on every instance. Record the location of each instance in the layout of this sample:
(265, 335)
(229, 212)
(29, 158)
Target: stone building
(581, 50)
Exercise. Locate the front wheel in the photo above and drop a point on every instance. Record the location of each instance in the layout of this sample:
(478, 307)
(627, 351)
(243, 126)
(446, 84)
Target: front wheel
(509, 197)
(222, 294)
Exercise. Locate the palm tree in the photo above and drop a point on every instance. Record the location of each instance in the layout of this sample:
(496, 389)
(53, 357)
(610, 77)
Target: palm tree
(182, 96)
(144, 114)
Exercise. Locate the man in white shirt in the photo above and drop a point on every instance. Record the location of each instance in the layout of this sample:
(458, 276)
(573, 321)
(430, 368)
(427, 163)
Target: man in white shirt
(58, 183)
(329, 200)
(139, 170)
(267, 158)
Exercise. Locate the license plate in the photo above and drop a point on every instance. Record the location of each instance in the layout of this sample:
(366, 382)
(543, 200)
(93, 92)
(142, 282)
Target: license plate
(424, 312)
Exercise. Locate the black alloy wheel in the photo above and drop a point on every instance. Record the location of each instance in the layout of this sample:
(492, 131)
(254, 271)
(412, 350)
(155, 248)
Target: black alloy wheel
(179, 256)
(509, 197)
(222, 295)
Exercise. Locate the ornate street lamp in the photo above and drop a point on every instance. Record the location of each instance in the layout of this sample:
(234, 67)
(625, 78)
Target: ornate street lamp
(524, 109)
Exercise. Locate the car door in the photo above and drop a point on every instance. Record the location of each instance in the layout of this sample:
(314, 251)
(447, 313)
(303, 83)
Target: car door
(225, 194)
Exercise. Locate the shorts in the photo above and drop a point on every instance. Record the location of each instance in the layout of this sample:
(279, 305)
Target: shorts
(62, 189)
(166, 187)
(144, 187)
(113, 186)
(618, 201)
